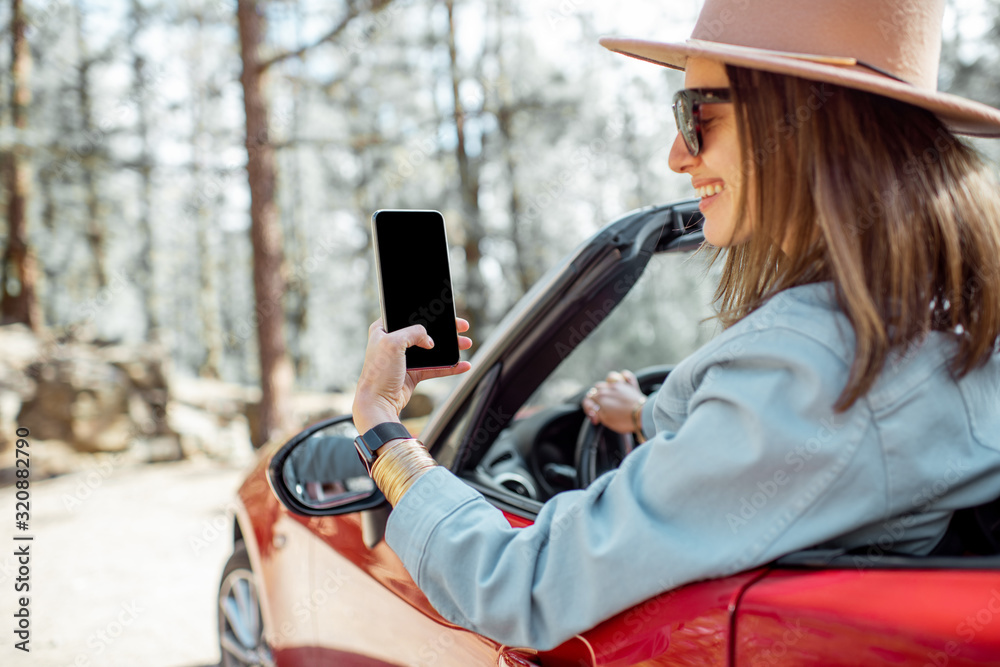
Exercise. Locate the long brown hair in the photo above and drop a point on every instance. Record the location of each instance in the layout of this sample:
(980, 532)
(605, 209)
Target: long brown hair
(876, 196)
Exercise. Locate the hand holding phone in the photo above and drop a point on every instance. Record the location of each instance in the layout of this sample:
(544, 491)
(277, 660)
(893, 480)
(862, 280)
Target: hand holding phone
(414, 276)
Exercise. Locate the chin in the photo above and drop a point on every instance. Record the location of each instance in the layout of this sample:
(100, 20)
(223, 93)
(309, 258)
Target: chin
(718, 233)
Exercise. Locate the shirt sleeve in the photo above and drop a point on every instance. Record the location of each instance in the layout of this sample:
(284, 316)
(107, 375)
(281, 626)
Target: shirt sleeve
(759, 467)
(646, 416)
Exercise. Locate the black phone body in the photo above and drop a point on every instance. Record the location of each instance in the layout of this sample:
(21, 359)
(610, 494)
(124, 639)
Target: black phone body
(414, 278)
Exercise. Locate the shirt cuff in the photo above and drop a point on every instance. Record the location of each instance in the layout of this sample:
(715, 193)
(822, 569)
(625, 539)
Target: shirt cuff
(646, 417)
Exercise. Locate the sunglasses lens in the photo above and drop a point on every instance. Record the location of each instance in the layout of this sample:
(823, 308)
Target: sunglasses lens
(684, 115)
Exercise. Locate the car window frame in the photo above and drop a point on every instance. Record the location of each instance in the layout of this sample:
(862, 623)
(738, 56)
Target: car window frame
(595, 272)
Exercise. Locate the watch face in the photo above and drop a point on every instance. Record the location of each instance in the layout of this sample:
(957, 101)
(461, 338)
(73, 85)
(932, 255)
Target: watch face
(364, 453)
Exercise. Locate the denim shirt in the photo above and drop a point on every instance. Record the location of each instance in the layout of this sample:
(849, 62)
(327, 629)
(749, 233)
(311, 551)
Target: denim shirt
(749, 462)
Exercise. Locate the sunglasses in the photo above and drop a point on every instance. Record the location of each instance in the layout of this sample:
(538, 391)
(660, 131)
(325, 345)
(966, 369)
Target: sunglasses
(687, 112)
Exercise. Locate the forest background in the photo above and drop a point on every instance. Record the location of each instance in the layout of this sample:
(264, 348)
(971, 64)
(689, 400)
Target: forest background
(199, 175)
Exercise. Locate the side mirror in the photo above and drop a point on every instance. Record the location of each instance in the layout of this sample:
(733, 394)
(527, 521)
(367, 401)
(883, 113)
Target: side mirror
(318, 472)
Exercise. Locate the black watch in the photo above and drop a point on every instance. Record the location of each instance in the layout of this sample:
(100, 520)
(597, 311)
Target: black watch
(376, 437)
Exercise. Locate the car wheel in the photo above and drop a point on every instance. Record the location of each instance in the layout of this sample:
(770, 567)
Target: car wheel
(241, 628)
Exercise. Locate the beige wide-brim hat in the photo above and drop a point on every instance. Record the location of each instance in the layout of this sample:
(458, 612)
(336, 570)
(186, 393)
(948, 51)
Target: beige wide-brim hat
(887, 47)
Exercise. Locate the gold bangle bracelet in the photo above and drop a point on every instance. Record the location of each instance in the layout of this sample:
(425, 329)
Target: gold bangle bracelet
(396, 469)
(637, 423)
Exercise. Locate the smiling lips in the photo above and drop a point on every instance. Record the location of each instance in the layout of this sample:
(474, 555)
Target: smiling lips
(709, 190)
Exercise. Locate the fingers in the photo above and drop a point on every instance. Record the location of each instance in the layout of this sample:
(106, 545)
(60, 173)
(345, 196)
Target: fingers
(631, 378)
(460, 367)
(590, 406)
(415, 335)
(462, 325)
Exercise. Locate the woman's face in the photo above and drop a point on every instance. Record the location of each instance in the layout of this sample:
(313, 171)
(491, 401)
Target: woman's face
(718, 163)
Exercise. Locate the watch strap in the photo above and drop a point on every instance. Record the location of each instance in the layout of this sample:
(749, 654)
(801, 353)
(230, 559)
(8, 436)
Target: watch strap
(382, 433)
(374, 438)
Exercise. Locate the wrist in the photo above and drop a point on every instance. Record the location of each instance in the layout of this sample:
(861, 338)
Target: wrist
(401, 464)
(637, 420)
(366, 419)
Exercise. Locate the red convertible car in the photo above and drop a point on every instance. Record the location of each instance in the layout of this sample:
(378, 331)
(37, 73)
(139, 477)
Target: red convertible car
(313, 582)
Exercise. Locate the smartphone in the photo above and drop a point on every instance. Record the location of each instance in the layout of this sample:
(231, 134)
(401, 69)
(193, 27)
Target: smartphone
(414, 279)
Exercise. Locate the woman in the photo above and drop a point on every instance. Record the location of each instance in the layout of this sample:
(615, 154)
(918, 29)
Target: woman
(854, 397)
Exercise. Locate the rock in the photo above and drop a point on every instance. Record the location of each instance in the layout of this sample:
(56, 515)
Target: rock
(147, 366)
(20, 346)
(49, 415)
(97, 399)
(49, 458)
(218, 437)
(306, 408)
(80, 400)
(158, 449)
(221, 398)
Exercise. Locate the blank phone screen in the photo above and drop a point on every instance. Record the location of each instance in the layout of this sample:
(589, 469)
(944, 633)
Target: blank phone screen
(412, 255)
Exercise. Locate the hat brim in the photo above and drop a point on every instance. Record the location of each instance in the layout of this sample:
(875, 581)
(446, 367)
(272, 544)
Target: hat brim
(961, 115)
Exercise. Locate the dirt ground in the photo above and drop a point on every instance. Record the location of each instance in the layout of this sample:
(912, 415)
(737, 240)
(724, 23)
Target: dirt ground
(125, 565)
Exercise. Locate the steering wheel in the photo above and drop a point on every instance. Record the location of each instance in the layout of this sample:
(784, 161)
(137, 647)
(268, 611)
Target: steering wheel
(598, 450)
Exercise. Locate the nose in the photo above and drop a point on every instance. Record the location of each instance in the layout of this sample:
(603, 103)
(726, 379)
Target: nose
(681, 159)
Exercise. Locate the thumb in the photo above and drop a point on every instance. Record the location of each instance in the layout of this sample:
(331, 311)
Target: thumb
(631, 378)
(415, 335)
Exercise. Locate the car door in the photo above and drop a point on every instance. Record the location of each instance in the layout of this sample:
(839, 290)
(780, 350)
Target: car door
(864, 610)
(362, 608)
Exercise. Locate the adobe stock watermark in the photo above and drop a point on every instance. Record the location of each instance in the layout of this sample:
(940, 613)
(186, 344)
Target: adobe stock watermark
(40, 17)
(796, 460)
(554, 189)
(787, 127)
(412, 156)
(898, 20)
(88, 483)
(776, 653)
(270, 306)
(638, 617)
(305, 607)
(570, 338)
(86, 314)
(892, 196)
(364, 29)
(493, 422)
(211, 529)
(566, 9)
(443, 304)
(748, 331)
(95, 137)
(99, 641)
(967, 630)
(726, 18)
(894, 530)
(430, 651)
(210, 188)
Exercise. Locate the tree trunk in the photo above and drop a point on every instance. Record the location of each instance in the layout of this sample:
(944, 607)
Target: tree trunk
(298, 316)
(147, 270)
(265, 235)
(94, 229)
(475, 296)
(208, 304)
(18, 302)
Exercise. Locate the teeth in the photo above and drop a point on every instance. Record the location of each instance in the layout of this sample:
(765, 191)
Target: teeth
(709, 190)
